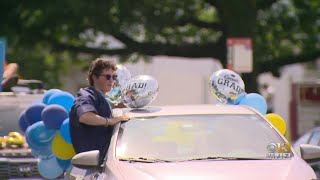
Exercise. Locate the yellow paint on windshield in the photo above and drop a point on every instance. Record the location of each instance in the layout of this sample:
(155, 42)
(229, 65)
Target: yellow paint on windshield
(174, 133)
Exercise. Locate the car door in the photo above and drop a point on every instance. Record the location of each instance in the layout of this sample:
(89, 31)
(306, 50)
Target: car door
(84, 173)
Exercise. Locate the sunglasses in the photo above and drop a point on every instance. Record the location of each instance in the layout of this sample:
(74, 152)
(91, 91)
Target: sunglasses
(109, 76)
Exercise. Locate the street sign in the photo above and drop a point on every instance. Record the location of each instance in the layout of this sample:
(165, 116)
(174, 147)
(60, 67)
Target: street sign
(2, 57)
(239, 54)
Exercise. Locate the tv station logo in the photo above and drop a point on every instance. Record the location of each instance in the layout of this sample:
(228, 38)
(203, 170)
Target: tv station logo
(279, 151)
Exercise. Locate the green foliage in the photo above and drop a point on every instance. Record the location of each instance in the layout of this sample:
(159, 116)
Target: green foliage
(288, 28)
(47, 37)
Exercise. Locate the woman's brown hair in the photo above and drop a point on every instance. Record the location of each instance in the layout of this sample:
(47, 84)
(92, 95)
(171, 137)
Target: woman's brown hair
(97, 66)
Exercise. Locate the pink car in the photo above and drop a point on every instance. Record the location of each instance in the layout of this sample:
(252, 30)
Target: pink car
(196, 142)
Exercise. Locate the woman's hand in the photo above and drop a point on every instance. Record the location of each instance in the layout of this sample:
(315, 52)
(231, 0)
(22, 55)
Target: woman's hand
(117, 119)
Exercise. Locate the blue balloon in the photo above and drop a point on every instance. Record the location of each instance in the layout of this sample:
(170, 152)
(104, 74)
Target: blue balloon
(33, 113)
(237, 100)
(38, 136)
(49, 168)
(48, 94)
(255, 101)
(65, 131)
(43, 153)
(63, 99)
(53, 116)
(64, 164)
(69, 168)
(23, 124)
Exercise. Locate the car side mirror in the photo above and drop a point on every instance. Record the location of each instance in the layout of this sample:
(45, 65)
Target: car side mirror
(85, 159)
(310, 153)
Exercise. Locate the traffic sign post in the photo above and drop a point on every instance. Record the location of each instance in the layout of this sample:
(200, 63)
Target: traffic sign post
(239, 54)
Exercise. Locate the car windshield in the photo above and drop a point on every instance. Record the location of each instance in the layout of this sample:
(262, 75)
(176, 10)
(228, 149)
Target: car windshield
(195, 137)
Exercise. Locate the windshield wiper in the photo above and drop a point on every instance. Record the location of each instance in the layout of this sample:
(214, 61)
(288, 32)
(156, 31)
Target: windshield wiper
(144, 159)
(221, 158)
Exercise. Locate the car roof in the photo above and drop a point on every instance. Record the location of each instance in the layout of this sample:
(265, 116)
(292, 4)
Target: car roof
(311, 131)
(189, 110)
(316, 128)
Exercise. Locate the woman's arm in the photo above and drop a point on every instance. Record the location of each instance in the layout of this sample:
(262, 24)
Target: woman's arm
(10, 70)
(93, 119)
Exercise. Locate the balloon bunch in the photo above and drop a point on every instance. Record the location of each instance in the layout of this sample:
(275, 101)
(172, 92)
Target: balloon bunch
(134, 92)
(46, 128)
(228, 88)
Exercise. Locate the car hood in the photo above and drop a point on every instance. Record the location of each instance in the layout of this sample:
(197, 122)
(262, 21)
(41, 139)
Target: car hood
(216, 169)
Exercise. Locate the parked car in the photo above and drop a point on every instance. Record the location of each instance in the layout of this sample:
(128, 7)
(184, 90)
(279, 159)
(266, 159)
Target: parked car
(195, 142)
(13, 103)
(17, 161)
(310, 137)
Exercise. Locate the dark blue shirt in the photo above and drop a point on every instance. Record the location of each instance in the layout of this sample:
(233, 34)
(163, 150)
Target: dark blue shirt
(86, 137)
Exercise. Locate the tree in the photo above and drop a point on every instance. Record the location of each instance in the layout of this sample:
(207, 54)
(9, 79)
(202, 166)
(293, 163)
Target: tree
(284, 31)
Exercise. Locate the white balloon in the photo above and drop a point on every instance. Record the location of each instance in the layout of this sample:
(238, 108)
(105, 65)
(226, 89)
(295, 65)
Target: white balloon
(226, 84)
(124, 76)
(140, 91)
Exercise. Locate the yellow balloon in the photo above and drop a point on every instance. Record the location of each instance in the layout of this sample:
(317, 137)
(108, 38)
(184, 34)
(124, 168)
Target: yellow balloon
(15, 138)
(61, 148)
(278, 122)
(1, 142)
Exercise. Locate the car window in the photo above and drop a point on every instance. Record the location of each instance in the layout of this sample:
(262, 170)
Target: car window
(193, 136)
(315, 137)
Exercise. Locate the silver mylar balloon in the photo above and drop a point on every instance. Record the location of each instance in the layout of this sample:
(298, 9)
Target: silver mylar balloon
(140, 91)
(226, 85)
(124, 75)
